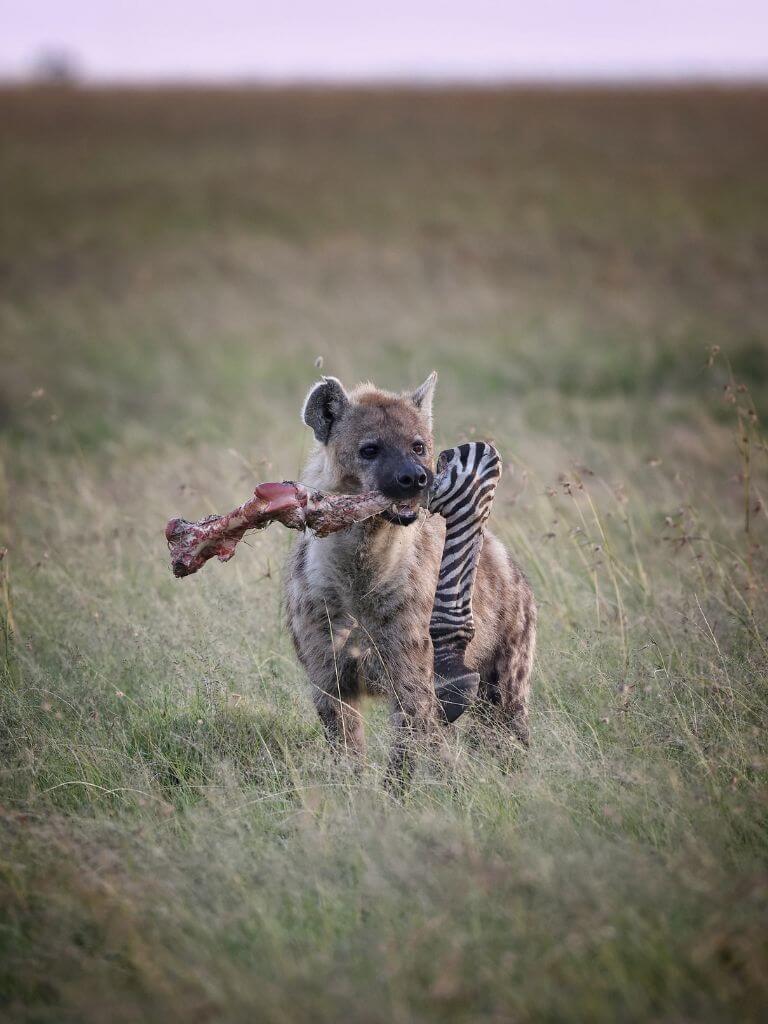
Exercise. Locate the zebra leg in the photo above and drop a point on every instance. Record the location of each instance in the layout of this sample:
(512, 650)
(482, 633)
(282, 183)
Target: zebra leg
(463, 494)
(456, 686)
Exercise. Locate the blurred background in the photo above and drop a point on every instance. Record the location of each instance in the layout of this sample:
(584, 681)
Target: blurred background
(489, 40)
(574, 190)
(563, 208)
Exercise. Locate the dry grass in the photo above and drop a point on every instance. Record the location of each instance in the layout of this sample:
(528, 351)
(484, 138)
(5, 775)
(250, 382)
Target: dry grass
(177, 842)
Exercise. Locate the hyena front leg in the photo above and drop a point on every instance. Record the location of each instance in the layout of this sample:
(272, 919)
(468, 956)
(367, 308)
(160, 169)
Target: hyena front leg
(336, 696)
(333, 675)
(415, 708)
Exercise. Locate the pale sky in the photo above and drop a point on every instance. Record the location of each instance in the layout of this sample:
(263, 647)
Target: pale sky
(342, 40)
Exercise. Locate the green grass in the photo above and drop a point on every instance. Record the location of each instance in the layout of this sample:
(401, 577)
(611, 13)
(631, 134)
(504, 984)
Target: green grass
(177, 843)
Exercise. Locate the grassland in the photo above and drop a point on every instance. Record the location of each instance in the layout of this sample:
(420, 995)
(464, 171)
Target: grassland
(176, 842)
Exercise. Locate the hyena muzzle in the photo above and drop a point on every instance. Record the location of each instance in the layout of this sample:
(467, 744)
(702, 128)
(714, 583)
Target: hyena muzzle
(359, 602)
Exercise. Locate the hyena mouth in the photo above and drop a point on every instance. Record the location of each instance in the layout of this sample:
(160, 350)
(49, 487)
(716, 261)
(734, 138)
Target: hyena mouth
(401, 515)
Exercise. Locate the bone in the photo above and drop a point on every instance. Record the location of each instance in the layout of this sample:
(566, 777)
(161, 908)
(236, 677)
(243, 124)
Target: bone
(462, 492)
(192, 544)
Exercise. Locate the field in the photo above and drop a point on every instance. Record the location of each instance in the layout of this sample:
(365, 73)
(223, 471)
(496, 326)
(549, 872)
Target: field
(588, 272)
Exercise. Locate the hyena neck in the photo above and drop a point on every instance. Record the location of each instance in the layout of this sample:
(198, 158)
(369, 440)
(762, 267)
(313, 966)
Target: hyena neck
(318, 473)
(373, 552)
(374, 549)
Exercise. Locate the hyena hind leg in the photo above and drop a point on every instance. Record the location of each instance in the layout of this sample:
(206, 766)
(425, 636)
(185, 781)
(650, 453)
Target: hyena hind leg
(504, 691)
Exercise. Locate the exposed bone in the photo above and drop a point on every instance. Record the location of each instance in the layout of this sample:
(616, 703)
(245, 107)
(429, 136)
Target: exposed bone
(462, 492)
(289, 503)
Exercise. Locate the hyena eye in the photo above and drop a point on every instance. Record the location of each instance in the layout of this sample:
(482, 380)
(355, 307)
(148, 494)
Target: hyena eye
(369, 451)
(419, 448)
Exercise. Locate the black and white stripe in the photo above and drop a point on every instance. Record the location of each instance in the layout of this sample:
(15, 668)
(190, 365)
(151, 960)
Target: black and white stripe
(463, 492)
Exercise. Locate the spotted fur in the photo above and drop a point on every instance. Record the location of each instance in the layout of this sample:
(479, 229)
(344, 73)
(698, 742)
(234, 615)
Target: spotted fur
(359, 603)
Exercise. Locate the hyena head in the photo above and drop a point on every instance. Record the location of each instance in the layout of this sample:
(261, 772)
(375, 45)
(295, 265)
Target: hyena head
(373, 440)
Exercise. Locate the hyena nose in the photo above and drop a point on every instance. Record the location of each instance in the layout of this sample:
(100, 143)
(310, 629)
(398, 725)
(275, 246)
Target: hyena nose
(411, 480)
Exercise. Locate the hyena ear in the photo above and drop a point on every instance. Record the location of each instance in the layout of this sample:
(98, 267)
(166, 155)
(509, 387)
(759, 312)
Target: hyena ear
(422, 396)
(323, 406)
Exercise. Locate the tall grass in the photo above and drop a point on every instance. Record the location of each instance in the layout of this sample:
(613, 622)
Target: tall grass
(177, 841)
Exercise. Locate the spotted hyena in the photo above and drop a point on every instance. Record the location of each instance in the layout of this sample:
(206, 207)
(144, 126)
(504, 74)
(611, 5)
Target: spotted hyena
(359, 602)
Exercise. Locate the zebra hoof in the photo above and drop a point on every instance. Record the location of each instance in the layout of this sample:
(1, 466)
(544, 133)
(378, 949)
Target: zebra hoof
(457, 694)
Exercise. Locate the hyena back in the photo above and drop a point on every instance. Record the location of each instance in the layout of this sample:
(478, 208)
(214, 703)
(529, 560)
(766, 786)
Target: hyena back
(359, 602)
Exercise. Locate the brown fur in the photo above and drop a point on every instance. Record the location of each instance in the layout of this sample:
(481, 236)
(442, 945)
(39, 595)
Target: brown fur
(359, 602)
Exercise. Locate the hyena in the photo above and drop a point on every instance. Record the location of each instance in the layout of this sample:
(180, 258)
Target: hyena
(359, 602)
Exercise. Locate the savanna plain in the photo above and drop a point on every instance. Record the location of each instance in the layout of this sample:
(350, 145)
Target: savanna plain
(588, 272)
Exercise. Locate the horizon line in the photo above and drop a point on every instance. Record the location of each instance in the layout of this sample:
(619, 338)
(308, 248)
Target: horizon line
(754, 77)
